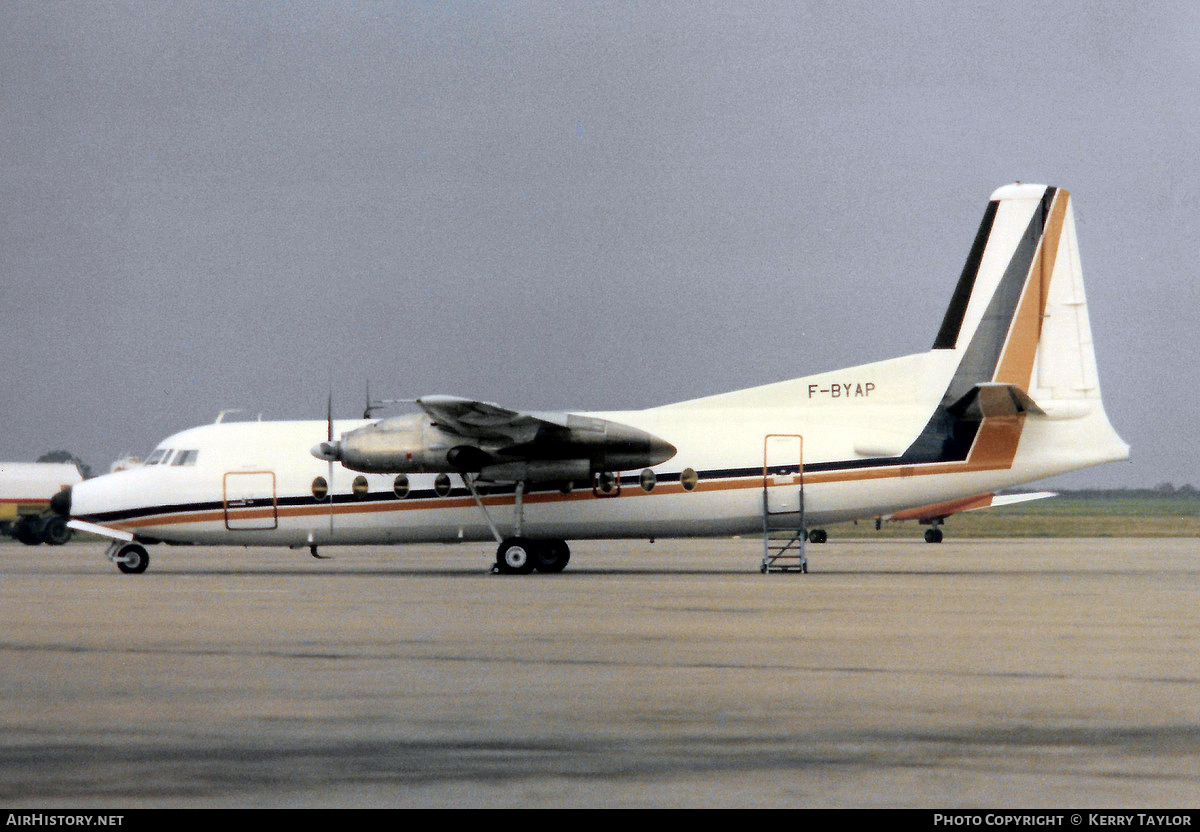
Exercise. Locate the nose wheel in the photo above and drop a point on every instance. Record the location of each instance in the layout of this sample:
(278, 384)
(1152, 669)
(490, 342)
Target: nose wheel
(130, 558)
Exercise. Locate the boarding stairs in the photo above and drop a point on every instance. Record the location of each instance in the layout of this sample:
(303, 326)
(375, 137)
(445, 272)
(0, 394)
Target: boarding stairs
(785, 537)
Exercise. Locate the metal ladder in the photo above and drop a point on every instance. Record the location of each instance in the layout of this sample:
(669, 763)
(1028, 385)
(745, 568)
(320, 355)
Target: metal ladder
(785, 537)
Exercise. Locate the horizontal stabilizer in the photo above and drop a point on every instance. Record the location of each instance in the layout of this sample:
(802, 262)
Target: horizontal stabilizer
(994, 399)
(1012, 499)
(940, 511)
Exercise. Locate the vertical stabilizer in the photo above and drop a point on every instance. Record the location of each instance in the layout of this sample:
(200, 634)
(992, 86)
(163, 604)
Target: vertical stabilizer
(1019, 315)
(1019, 322)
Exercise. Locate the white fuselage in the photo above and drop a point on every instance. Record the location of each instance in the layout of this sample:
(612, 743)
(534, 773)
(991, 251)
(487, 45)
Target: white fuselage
(251, 483)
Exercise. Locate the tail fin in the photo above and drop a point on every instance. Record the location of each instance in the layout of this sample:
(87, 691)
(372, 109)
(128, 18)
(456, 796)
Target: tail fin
(1019, 323)
(1019, 315)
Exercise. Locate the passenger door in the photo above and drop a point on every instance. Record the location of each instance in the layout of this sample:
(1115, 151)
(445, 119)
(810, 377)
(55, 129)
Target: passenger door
(250, 500)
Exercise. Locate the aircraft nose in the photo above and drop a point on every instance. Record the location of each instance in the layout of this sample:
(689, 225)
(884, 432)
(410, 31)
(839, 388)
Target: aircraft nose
(60, 503)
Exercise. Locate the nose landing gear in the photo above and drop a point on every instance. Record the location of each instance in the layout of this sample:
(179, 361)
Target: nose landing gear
(130, 558)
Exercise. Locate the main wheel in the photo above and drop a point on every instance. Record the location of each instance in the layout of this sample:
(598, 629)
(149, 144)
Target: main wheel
(933, 535)
(28, 531)
(56, 532)
(133, 559)
(818, 536)
(515, 556)
(552, 556)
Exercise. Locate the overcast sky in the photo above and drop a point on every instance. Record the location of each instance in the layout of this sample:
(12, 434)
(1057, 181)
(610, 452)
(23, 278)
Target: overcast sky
(566, 205)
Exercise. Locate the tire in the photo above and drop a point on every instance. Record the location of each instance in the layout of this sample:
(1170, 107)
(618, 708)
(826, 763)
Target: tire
(28, 531)
(56, 532)
(135, 559)
(516, 556)
(552, 556)
(933, 535)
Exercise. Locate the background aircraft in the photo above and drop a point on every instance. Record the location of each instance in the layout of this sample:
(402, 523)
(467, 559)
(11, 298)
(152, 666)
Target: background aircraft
(25, 492)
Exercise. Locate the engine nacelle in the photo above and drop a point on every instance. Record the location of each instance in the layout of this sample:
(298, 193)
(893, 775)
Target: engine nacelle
(399, 445)
(569, 448)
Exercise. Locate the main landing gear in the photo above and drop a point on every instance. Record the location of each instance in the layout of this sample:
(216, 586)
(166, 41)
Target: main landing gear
(934, 533)
(520, 556)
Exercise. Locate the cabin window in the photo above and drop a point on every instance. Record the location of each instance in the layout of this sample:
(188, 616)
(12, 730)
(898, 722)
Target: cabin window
(400, 486)
(360, 487)
(688, 479)
(320, 488)
(648, 479)
(606, 482)
(185, 458)
(441, 485)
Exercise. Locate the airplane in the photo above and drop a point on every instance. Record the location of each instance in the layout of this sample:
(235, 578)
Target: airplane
(1008, 393)
(25, 492)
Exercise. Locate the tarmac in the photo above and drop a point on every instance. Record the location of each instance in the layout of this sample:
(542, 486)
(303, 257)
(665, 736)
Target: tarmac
(1013, 674)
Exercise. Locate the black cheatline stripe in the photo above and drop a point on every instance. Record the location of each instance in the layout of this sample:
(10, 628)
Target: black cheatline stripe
(947, 336)
(634, 480)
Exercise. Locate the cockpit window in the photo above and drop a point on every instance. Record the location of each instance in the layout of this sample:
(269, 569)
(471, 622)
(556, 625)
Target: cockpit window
(156, 457)
(185, 458)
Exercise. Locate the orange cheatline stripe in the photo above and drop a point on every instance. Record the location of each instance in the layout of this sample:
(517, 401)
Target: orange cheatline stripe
(943, 509)
(1016, 359)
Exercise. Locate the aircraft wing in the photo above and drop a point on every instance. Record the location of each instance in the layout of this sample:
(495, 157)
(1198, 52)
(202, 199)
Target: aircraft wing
(455, 435)
(492, 423)
(939, 511)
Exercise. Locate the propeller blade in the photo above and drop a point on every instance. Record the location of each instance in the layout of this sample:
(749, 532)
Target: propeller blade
(329, 438)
